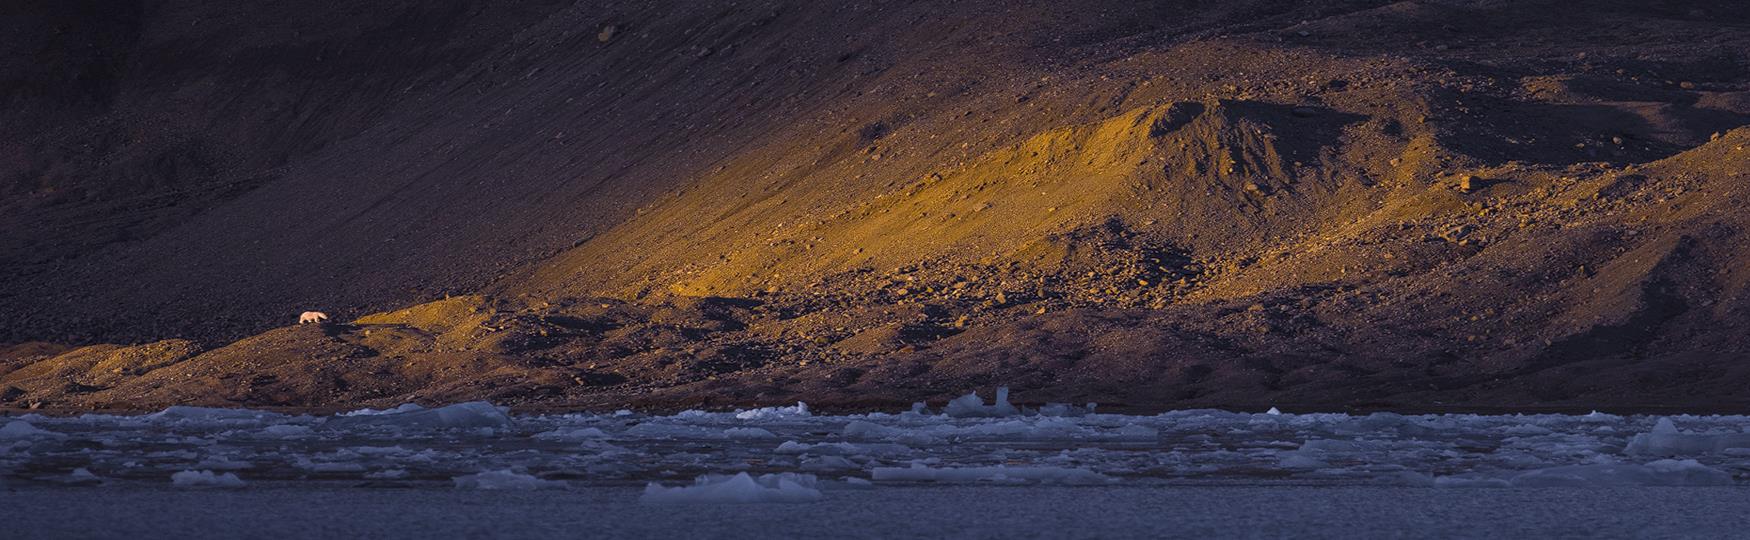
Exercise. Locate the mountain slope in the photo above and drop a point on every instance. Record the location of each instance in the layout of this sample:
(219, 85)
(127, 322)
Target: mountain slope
(1415, 204)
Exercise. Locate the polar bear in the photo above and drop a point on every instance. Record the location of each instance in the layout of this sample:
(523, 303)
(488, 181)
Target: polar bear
(312, 317)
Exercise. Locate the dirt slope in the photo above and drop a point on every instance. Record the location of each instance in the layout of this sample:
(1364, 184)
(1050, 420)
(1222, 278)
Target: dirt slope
(1420, 204)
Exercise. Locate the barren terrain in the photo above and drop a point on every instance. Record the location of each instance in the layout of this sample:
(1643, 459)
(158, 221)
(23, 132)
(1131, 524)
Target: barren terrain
(1414, 205)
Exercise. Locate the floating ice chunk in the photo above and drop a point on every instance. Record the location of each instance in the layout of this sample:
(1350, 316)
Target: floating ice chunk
(473, 414)
(1291, 460)
(1526, 429)
(205, 479)
(767, 413)
(505, 479)
(1328, 446)
(286, 431)
(858, 483)
(827, 463)
(741, 488)
(860, 429)
(19, 429)
(1134, 431)
(972, 406)
(212, 415)
(82, 476)
(404, 407)
(664, 430)
(1000, 474)
(1665, 427)
(1667, 440)
(1665, 472)
(572, 434)
(749, 433)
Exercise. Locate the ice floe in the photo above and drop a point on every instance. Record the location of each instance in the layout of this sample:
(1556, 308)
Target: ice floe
(504, 480)
(206, 479)
(969, 441)
(1665, 472)
(474, 414)
(739, 488)
(1666, 440)
(800, 409)
(19, 429)
(972, 406)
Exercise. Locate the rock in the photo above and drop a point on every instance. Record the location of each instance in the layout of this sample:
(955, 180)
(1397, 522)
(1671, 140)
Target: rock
(1467, 183)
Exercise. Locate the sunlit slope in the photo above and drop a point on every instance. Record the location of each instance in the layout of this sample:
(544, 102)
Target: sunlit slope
(1361, 204)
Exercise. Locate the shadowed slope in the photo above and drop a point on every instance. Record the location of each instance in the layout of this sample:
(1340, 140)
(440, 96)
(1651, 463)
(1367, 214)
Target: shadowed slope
(1360, 204)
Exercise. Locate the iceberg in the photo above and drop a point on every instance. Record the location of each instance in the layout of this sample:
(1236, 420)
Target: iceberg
(212, 415)
(404, 407)
(505, 479)
(1667, 440)
(572, 434)
(739, 489)
(749, 433)
(286, 431)
(1300, 462)
(800, 410)
(972, 406)
(1665, 472)
(473, 414)
(19, 429)
(81, 477)
(205, 479)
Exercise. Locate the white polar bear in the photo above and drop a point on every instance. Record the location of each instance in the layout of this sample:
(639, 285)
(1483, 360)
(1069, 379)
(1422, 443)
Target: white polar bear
(312, 317)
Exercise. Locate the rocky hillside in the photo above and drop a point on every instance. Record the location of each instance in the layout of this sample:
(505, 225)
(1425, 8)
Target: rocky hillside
(1438, 205)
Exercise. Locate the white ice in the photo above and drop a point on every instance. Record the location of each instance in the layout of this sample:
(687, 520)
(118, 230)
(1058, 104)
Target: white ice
(740, 488)
(1666, 440)
(505, 480)
(19, 429)
(1665, 472)
(473, 414)
(989, 443)
(972, 406)
(205, 479)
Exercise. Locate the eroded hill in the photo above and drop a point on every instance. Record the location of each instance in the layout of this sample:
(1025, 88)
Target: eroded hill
(1422, 204)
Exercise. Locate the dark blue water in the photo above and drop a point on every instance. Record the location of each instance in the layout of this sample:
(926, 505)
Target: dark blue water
(316, 510)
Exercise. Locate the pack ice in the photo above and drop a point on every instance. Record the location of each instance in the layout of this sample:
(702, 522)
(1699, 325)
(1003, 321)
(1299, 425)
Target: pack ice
(771, 454)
